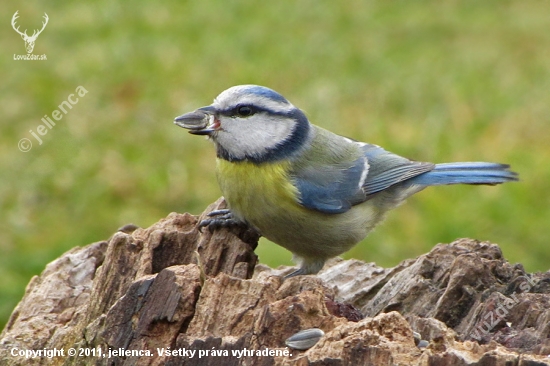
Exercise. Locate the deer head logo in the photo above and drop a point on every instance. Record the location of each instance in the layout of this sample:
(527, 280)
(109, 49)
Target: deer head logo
(29, 40)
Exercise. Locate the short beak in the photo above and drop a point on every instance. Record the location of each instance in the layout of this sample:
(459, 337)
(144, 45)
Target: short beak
(199, 122)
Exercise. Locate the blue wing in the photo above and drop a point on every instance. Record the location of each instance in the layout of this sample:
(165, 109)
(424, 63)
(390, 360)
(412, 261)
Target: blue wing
(342, 183)
(333, 188)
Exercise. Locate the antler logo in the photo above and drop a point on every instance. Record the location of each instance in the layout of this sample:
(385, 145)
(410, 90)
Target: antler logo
(29, 40)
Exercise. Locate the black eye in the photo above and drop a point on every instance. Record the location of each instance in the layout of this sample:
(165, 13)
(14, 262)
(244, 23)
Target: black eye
(244, 111)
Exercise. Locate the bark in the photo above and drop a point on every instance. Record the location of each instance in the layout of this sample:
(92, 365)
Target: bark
(173, 295)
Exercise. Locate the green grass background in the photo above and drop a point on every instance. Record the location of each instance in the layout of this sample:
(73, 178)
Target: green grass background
(431, 80)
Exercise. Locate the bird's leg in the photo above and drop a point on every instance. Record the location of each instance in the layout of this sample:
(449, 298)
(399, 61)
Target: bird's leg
(307, 266)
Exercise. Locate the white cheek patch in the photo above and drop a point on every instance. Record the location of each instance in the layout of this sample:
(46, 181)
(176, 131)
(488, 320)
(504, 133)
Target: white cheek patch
(243, 137)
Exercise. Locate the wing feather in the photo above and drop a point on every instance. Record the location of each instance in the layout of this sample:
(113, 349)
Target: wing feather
(336, 173)
(387, 169)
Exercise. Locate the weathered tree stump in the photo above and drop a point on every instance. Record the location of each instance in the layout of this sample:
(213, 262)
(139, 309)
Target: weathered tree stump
(173, 295)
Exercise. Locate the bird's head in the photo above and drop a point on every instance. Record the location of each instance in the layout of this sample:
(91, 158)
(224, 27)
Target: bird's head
(250, 122)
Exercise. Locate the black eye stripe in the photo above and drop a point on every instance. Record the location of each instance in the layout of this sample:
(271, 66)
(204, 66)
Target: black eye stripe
(234, 112)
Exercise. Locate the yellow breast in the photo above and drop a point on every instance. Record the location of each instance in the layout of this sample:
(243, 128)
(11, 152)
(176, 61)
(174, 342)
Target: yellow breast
(256, 192)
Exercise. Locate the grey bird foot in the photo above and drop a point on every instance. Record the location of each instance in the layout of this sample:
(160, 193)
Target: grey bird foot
(225, 219)
(298, 272)
(307, 266)
(220, 219)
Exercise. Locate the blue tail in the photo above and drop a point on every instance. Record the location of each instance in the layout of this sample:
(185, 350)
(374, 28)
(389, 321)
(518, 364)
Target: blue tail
(466, 173)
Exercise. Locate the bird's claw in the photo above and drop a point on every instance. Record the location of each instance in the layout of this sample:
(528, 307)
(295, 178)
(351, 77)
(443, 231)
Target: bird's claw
(295, 273)
(219, 219)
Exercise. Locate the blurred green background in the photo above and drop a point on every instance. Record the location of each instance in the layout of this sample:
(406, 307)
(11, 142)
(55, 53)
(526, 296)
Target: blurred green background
(431, 80)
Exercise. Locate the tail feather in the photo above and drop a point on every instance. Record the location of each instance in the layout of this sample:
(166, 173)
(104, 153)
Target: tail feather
(466, 173)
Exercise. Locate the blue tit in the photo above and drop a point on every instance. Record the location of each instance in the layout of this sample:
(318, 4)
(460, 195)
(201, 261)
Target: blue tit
(305, 188)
